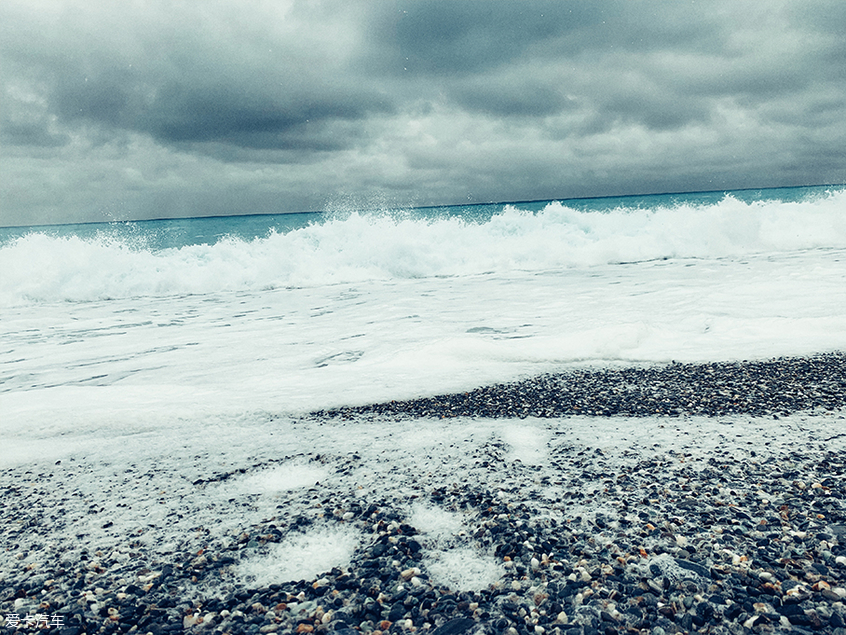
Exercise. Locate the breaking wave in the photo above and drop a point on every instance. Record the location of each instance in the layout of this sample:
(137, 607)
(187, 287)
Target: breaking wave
(42, 268)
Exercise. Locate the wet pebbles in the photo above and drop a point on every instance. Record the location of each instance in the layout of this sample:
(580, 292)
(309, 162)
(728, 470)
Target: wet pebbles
(758, 388)
(743, 538)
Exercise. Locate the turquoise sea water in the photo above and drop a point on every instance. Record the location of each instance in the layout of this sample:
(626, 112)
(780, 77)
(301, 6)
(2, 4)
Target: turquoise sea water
(174, 233)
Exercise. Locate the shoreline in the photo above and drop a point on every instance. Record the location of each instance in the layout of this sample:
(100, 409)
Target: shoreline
(577, 525)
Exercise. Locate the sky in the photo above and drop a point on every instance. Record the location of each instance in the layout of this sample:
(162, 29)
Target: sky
(169, 108)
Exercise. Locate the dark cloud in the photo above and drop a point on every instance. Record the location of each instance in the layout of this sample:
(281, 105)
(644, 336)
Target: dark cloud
(263, 111)
(250, 119)
(508, 99)
(465, 37)
(204, 85)
(295, 103)
(30, 134)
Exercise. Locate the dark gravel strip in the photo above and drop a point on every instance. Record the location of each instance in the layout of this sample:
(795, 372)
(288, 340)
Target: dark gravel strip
(759, 388)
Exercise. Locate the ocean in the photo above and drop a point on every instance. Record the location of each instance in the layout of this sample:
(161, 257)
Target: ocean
(144, 357)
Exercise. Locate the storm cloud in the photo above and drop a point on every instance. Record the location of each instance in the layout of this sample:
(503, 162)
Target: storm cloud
(161, 109)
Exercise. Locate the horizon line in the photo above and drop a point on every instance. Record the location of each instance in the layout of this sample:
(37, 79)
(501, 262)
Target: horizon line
(425, 207)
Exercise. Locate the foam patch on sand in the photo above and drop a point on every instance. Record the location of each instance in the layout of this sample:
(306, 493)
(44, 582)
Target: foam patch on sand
(528, 442)
(301, 556)
(462, 569)
(280, 478)
(435, 523)
(447, 561)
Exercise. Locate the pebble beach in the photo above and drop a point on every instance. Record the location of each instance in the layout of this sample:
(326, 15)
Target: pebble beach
(685, 498)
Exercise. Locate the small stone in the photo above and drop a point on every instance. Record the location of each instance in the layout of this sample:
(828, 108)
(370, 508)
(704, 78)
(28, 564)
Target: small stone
(831, 595)
(655, 586)
(455, 626)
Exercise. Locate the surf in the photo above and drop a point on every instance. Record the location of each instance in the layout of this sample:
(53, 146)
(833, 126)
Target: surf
(126, 260)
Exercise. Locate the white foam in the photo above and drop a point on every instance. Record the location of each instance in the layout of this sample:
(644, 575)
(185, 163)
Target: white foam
(462, 569)
(436, 523)
(448, 559)
(281, 478)
(74, 369)
(528, 442)
(300, 556)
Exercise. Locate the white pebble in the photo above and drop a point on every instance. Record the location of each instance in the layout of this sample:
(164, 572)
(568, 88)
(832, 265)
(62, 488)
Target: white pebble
(750, 622)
